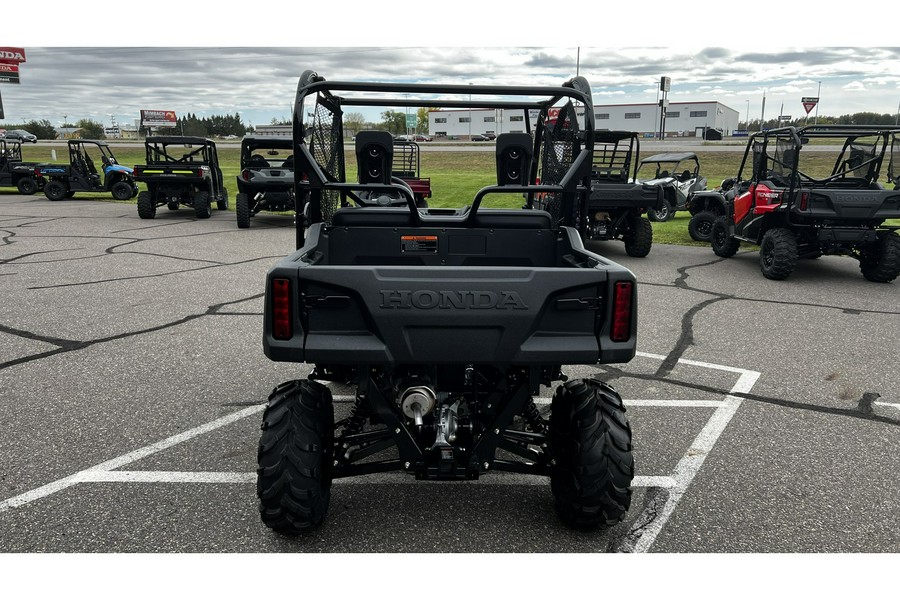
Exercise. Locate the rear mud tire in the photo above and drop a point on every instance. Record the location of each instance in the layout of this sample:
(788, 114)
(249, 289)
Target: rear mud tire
(662, 215)
(55, 190)
(700, 225)
(145, 205)
(242, 210)
(202, 205)
(122, 190)
(295, 453)
(881, 262)
(590, 440)
(222, 202)
(778, 253)
(639, 239)
(27, 186)
(723, 244)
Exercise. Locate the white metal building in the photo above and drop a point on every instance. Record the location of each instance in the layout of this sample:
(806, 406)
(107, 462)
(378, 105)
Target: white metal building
(682, 119)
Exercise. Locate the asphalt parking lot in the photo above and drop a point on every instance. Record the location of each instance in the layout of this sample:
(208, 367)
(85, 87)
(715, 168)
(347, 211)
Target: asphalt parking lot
(766, 415)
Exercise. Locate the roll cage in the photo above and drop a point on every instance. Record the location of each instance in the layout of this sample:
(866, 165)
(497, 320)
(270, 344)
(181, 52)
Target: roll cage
(561, 150)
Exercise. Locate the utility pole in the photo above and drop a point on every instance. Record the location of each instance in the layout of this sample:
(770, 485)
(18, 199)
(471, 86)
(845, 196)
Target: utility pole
(819, 97)
(762, 116)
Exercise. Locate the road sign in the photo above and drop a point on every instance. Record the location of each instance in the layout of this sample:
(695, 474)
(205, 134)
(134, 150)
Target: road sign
(784, 118)
(410, 121)
(809, 103)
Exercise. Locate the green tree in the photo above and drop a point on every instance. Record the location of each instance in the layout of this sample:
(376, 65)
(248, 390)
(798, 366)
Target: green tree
(90, 130)
(422, 119)
(394, 121)
(354, 122)
(42, 129)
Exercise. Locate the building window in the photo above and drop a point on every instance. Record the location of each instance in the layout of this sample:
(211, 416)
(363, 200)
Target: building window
(440, 119)
(632, 115)
(440, 133)
(464, 119)
(489, 119)
(698, 113)
(673, 114)
(601, 116)
(516, 131)
(514, 119)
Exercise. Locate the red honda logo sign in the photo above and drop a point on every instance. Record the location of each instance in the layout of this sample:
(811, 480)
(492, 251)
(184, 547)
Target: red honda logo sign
(12, 55)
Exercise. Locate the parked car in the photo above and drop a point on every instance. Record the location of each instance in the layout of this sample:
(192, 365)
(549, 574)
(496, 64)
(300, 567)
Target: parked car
(423, 138)
(480, 138)
(21, 134)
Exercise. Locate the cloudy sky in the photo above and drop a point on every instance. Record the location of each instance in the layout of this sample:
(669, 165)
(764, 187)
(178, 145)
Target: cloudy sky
(228, 73)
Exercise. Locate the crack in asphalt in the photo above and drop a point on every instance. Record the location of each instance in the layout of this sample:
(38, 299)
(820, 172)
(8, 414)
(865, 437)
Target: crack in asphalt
(66, 345)
(654, 501)
(862, 411)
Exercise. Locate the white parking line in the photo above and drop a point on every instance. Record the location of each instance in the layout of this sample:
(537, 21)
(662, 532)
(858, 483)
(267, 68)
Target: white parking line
(891, 404)
(693, 459)
(125, 459)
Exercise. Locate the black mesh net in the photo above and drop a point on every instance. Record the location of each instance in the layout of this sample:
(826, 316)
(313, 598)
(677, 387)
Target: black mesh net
(860, 159)
(559, 150)
(327, 148)
(783, 160)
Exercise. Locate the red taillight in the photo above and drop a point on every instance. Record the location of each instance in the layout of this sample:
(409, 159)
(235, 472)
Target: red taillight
(804, 200)
(136, 172)
(621, 311)
(245, 174)
(281, 309)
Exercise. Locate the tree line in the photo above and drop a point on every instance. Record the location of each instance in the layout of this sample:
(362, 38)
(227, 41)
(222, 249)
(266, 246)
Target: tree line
(215, 125)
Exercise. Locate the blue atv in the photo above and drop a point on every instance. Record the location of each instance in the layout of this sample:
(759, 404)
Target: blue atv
(82, 175)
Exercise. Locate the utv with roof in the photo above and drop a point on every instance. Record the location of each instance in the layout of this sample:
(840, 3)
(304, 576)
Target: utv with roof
(678, 174)
(180, 171)
(616, 206)
(14, 172)
(445, 322)
(83, 175)
(795, 202)
(266, 179)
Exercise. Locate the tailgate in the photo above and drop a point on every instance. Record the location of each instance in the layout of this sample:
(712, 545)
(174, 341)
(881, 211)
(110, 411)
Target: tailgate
(449, 315)
(851, 204)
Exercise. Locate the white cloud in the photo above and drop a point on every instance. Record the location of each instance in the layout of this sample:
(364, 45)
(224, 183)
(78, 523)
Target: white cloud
(854, 86)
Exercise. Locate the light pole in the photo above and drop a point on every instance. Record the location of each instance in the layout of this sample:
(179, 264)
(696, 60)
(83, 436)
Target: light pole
(748, 115)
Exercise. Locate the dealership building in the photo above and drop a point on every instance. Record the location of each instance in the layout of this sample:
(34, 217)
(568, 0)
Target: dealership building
(682, 119)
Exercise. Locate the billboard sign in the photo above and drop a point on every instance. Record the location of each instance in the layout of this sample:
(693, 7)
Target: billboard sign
(9, 73)
(158, 118)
